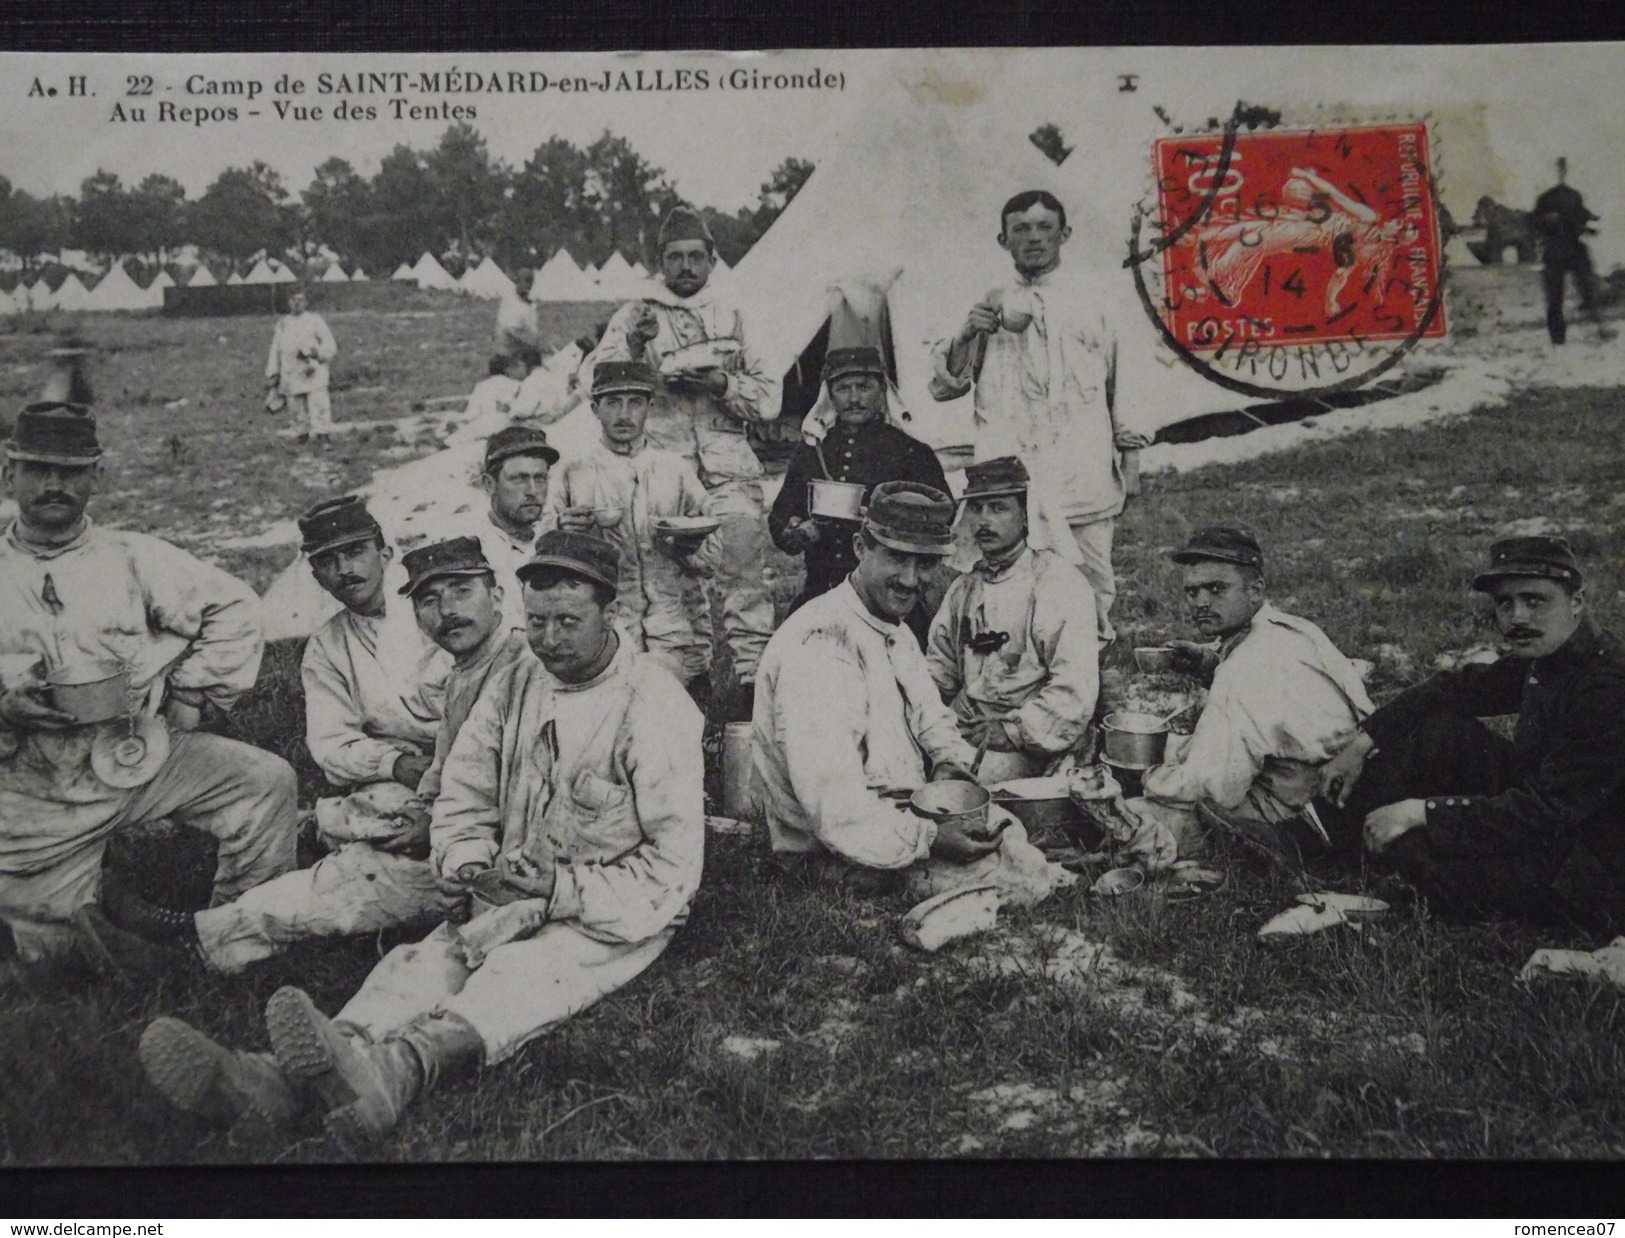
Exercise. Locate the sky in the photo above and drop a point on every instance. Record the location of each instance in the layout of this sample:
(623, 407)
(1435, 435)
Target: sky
(1503, 113)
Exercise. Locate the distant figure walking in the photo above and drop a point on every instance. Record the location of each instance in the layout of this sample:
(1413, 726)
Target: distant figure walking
(1561, 218)
(297, 369)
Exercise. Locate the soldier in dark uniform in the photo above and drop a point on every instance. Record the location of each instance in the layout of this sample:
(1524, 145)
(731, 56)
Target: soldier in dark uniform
(860, 448)
(1533, 827)
(1562, 220)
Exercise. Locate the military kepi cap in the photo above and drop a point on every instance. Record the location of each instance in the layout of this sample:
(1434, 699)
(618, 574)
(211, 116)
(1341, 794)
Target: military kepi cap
(457, 556)
(337, 522)
(513, 441)
(839, 362)
(581, 554)
(990, 478)
(1219, 543)
(608, 376)
(1549, 557)
(911, 517)
(52, 432)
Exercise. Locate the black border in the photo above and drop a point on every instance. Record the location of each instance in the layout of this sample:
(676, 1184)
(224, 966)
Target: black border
(1535, 1190)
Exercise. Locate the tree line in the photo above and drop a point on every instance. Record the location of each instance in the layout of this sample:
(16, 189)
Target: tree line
(453, 200)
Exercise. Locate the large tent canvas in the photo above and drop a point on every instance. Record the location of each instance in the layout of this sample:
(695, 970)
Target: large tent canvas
(487, 280)
(334, 274)
(117, 291)
(560, 279)
(430, 274)
(619, 279)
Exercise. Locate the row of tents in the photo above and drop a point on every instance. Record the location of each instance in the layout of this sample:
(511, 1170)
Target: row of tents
(560, 278)
(118, 290)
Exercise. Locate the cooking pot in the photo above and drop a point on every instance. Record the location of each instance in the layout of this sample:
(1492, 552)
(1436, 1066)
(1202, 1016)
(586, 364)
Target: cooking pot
(1154, 659)
(1134, 740)
(91, 699)
(963, 805)
(1047, 810)
(839, 500)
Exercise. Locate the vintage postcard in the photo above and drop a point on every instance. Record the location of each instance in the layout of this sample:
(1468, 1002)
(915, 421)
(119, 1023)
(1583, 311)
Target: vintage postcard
(933, 603)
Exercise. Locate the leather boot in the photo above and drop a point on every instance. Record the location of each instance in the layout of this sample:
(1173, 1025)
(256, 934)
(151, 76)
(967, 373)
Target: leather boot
(207, 1079)
(1284, 845)
(340, 1063)
(437, 1043)
(112, 951)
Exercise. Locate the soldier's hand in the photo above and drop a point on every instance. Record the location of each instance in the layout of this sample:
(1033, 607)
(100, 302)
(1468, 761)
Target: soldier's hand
(644, 327)
(182, 716)
(1190, 658)
(25, 709)
(951, 771)
(1131, 472)
(983, 319)
(535, 880)
(1338, 776)
(713, 378)
(961, 846)
(578, 520)
(409, 769)
(1391, 822)
(802, 532)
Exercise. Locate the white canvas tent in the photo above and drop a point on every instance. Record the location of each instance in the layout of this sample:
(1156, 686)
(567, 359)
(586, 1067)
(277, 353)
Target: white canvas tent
(360, 276)
(73, 295)
(38, 295)
(202, 278)
(334, 274)
(234, 278)
(161, 281)
(405, 273)
(117, 291)
(560, 279)
(487, 280)
(430, 274)
(269, 271)
(619, 279)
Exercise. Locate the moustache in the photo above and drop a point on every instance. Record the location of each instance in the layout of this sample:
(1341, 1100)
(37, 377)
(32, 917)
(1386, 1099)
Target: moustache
(1521, 633)
(54, 496)
(454, 625)
(350, 582)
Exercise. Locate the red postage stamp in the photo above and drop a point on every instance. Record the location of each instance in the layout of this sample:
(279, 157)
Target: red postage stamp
(1299, 238)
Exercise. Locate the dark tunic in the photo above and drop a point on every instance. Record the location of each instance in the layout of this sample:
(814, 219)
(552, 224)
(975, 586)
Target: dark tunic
(875, 453)
(1508, 821)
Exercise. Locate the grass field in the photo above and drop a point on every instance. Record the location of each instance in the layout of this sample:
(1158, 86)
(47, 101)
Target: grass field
(787, 1021)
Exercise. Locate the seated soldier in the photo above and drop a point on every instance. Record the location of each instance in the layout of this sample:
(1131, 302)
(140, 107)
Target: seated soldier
(860, 447)
(491, 400)
(1529, 827)
(1282, 702)
(361, 887)
(845, 708)
(619, 489)
(515, 476)
(578, 778)
(80, 602)
(375, 685)
(1014, 649)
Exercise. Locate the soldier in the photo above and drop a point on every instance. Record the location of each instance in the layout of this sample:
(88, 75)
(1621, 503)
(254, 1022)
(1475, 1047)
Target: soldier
(713, 390)
(515, 477)
(302, 349)
(620, 488)
(1480, 824)
(1013, 650)
(79, 601)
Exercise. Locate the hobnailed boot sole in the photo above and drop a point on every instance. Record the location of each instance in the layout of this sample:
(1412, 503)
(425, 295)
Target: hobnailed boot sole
(193, 1074)
(296, 1029)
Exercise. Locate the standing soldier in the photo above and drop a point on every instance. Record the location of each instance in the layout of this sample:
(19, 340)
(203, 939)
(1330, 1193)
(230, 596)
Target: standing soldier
(1561, 218)
(1043, 358)
(712, 391)
(301, 350)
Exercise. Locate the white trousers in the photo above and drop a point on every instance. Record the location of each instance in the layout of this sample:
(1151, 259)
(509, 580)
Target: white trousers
(314, 409)
(1094, 539)
(244, 796)
(357, 889)
(522, 989)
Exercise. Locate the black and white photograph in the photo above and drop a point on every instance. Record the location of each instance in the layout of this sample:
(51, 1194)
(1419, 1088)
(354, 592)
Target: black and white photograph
(944, 604)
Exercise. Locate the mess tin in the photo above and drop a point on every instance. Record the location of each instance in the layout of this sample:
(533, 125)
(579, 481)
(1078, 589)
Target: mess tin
(1154, 659)
(91, 695)
(1045, 807)
(1134, 740)
(488, 891)
(838, 500)
(963, 805)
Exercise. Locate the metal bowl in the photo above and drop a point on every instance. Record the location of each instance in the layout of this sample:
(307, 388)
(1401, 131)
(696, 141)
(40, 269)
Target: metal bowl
(838, 500)
(1154, 659)
(92, 700)
(1118, 881)
(488, 892)
(963, 805)
(1134, 740)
